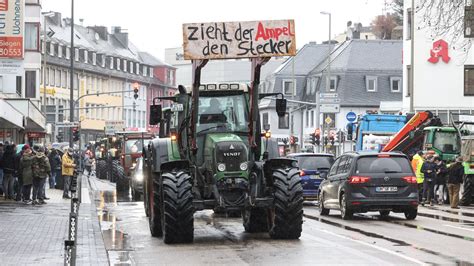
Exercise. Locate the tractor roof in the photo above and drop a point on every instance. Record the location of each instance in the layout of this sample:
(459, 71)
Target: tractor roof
(221, 87)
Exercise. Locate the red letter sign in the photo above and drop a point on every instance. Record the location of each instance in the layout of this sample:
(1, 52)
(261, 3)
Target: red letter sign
(440, 49)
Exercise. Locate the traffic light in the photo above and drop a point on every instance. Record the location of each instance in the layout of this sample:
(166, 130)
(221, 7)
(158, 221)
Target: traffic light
(317, 136)
(135, 90)
(313, 139)
(75, 134)
(292, 140)
(332, 137)
(349, 128)
(325, 140)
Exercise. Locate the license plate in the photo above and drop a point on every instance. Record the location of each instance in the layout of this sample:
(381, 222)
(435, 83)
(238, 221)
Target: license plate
(314, 177)
(386, 189)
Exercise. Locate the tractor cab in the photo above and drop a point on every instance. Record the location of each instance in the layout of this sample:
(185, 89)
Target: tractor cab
(445, 141)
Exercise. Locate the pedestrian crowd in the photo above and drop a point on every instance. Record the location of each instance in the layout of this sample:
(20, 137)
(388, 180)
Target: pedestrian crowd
(25, 171)
(433, 176)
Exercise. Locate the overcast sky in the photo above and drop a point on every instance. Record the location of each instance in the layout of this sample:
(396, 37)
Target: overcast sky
(155, 25)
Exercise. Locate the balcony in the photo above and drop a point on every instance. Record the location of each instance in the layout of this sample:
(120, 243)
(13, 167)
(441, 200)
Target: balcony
(35, 120)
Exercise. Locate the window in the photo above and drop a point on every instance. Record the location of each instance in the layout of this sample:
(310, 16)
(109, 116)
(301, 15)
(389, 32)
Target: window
(288, 87)
(333, 170)
(314, 82)
(51, 49)
(118, 64)
(60, 51)
(371, 83)
(68, 53)
(57, 78)
(47, 77)
(18, 85)
(30, 85)
(375, 164)
(307, 118)
(284, 122)
(409, 29)
(469, 80)
(51, 77)
(395, 84)
(308, 86)
(76, 54)
(63, 79)
(341, 168)
(131, 67)
(124, 65)
(333, 85)
(312, 118)
(265, 120)
(137, 68)
(94, 59)
(31, 36)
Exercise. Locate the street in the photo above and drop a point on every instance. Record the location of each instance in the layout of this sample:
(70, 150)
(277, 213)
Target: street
(438, 236)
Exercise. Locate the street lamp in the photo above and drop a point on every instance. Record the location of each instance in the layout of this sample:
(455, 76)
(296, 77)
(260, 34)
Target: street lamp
(45, 16)
(328, 81)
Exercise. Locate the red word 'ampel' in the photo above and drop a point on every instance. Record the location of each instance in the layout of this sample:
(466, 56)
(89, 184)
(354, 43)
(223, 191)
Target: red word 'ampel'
(275, 33)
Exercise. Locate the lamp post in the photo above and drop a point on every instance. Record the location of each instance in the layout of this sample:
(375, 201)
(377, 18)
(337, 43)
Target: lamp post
(71, 89)
(328, 78)
(45, 55)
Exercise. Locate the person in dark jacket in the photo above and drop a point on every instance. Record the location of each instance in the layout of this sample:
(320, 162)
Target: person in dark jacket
(429, 171)
(8, 163)
(441, 172)
(41, 170)
(455, 175)
(55, 161)
(19, 175)
(26, 168)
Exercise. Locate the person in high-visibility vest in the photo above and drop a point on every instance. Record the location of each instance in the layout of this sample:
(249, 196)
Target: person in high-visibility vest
(416, 164)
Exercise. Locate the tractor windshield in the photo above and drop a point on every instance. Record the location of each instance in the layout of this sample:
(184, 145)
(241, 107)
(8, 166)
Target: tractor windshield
(447, 142)
(222, 114)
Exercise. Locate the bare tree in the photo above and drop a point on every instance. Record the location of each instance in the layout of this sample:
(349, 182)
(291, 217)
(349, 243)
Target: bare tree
(444, 19)
(397, 7)
(383, 26)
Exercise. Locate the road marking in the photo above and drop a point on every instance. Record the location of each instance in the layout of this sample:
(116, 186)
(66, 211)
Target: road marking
(373, 246)
(467, 229)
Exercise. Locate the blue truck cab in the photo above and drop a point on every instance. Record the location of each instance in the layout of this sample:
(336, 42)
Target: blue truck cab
(374, 130)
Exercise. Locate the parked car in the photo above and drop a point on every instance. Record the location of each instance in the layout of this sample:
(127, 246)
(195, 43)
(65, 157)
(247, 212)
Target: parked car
(361, 181)
(136, 180)
(313, 169)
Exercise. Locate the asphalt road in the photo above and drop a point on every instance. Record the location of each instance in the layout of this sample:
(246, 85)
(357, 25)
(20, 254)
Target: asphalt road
(439, 236)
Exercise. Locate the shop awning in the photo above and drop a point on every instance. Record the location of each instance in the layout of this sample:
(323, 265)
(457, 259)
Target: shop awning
(35, 120)
(10, 117)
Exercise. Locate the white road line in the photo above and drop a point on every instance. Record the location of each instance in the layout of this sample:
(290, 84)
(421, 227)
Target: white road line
(467, 229)
(375, 247)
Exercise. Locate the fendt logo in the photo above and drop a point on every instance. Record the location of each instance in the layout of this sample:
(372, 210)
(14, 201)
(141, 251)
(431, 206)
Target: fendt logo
(3, 5)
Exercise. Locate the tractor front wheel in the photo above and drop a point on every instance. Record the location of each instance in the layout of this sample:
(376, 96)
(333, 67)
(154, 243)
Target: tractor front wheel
(287, 214)
(178, 210)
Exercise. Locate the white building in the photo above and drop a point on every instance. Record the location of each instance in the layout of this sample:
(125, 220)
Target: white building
(443, 73)
(21, 119)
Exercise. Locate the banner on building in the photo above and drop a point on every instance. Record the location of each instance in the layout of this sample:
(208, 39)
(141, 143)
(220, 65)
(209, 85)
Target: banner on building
(11, 28)
(221, 40)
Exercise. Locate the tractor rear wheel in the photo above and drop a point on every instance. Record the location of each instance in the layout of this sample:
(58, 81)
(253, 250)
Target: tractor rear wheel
(122, 181)
(287, 214)
(255, 220)
(101, 170)
(178, 210)
(153, 203)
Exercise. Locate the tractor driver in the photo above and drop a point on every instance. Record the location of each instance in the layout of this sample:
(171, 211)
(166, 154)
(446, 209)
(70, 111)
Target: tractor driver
(214, 113)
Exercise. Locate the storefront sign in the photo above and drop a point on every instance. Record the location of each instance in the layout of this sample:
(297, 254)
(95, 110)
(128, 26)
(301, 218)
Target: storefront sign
(50, 91)
(11, 28)
(35, 135)
(239, 39)
(111, 127)
(440, 49)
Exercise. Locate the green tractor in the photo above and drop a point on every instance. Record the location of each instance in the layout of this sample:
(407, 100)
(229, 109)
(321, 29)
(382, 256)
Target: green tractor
(444, 140)
(212, 154)
(467, 153)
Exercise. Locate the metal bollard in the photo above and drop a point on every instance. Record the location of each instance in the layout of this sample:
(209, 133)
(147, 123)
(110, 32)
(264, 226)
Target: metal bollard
(69, 253)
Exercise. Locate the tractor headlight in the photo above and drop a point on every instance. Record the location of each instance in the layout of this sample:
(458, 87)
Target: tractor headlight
(139, 178)
(221, 167)
(244, 166)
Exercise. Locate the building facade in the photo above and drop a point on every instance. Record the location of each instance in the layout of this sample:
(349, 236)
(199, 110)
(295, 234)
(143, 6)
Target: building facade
(21, 120)
(107, 67)
(366, 75)
(443, 72)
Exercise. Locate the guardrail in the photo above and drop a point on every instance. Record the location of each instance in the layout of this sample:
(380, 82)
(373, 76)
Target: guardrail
(70, 250)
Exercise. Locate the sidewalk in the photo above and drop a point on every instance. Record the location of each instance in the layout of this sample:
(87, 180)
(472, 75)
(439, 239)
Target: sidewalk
(35, 234)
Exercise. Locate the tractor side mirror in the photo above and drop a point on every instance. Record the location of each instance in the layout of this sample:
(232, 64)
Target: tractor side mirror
(281, 107)
(155, 114)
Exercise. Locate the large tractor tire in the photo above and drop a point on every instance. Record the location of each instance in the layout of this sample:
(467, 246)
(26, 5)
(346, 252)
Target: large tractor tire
(122, 181)
(178, 210)
(153, 203)
(255, 220)
(468, 192)
(101, 170)
(287, 214)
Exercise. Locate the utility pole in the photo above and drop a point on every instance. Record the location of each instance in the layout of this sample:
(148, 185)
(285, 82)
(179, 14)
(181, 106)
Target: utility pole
(412, 58)
(328, 77)
(71, 89)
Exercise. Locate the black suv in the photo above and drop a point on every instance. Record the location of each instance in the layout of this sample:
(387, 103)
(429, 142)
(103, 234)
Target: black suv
(361, 182)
